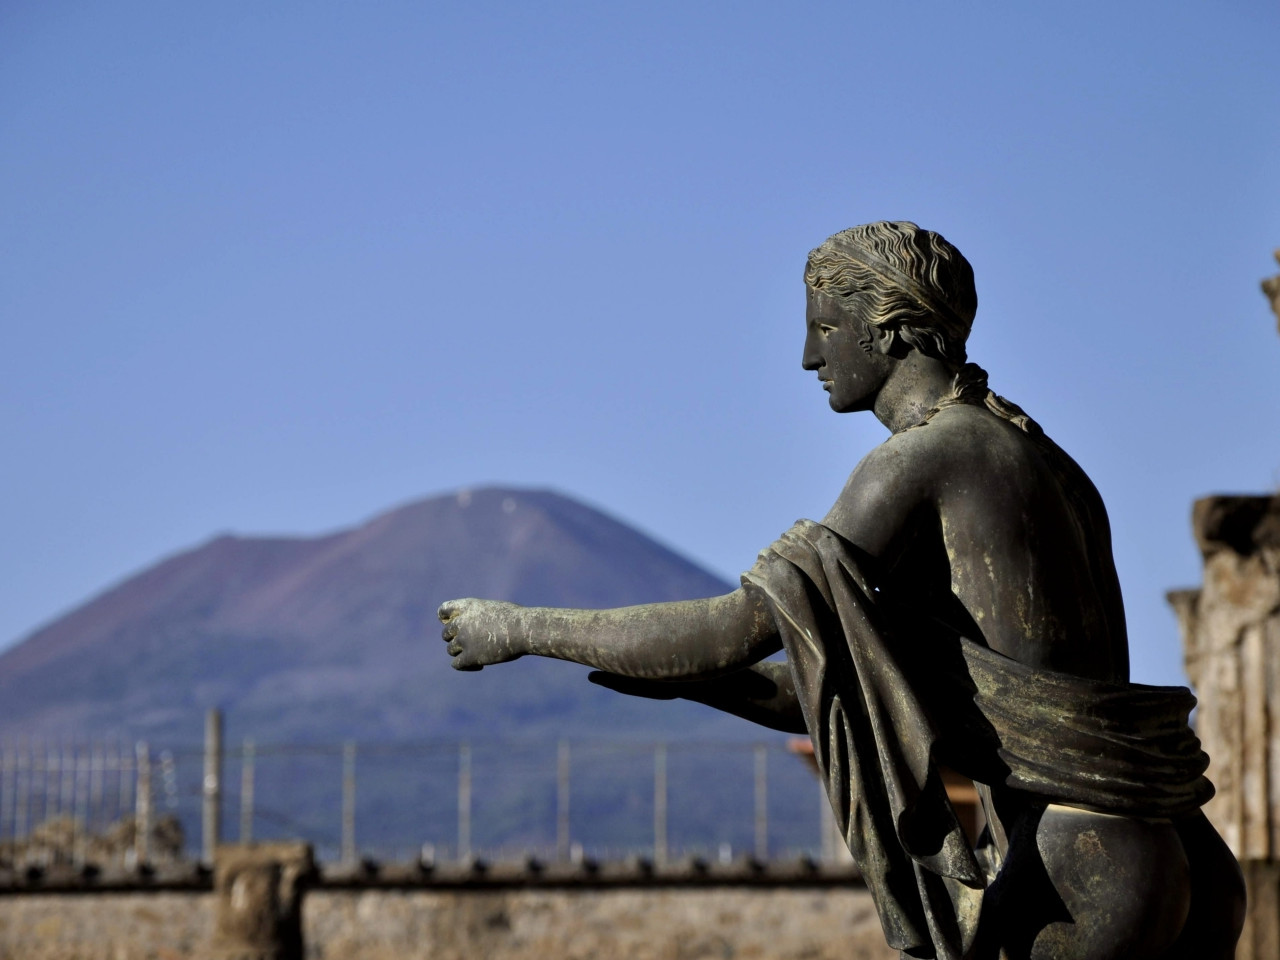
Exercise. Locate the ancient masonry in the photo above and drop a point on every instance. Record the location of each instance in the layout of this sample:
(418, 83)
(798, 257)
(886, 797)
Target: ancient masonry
(1231, 642)
(269, 902)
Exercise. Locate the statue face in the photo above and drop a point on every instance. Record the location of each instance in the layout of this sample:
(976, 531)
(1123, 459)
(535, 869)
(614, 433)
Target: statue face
(849, 354)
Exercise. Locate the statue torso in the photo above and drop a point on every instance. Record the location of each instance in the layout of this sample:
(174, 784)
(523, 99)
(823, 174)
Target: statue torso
(995, 532)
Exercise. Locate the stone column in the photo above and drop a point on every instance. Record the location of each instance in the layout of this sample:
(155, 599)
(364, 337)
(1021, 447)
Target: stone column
(258, 890)
(1231, 642)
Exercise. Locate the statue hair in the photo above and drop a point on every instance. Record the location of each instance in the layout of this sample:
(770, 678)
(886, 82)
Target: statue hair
(943, 276)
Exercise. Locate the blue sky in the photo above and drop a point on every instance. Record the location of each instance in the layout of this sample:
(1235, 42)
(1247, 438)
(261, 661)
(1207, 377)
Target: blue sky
(272, 268)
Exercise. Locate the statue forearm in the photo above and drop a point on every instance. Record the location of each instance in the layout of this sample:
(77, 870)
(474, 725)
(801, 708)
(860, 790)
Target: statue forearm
(687, 639)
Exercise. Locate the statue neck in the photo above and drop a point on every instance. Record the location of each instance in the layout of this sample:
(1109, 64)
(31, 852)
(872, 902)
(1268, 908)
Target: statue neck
(911, 391)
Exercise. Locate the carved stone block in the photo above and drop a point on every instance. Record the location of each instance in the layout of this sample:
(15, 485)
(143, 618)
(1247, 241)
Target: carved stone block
(258, 889)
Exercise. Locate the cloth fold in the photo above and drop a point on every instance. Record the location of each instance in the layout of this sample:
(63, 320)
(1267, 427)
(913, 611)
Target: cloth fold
(886, 696)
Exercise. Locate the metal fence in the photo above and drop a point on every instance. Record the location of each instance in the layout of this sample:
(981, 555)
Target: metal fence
(446, 800)
(78, 791)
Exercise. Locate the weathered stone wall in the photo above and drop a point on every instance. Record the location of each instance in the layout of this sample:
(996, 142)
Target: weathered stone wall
(669, 923)
(1231, 640)
(1231, 643)
(105, 926)
(639, 923)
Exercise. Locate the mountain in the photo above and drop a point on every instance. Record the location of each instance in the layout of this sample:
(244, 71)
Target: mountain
(306, 642)
(334, 637)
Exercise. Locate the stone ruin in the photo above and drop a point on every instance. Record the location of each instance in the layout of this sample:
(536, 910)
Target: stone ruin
(258, 890)
(1231, 644)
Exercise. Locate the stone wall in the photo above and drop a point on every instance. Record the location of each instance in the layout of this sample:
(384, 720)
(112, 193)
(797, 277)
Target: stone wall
(105, 926)
(1231, 641)
(533, 923)
(1231, 644)
(670, 923)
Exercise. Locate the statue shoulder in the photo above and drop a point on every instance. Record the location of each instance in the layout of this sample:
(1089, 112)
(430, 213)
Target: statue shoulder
(885, 490)
(968, 456)
(956, 456)
(955, 439)
(964, 455)
(965, 463)
(964, 438)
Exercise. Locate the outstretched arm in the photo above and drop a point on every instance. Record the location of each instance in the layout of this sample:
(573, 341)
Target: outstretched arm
(688, 639)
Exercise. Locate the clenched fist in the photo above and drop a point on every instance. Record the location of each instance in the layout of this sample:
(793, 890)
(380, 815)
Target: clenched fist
(483, 632)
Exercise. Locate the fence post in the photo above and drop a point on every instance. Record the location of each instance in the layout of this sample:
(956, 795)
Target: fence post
(22, 790)
(246, 790)
(97, 784)
(122, 772)
(212, 818)
(10, 798)
(762, 802)
(562, 801)
(50, 807)
(349, 802)
(81, 820)
(142, 808)
(464, 800)
(67, 778)
(6, 781)
(660, 804)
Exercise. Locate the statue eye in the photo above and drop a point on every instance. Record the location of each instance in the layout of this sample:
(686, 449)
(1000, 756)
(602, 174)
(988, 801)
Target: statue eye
(826, 328)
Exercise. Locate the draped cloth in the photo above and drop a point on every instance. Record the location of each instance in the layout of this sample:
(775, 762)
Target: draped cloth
(887, 695)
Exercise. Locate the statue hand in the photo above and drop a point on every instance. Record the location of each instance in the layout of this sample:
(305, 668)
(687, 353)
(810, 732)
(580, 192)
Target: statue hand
(482, 632)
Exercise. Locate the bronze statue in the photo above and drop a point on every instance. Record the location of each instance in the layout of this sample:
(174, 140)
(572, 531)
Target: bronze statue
(958, 606)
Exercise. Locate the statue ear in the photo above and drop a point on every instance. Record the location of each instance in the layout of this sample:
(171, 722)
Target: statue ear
(883, 339)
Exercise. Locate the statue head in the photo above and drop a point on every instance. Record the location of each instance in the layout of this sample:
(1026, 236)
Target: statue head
(905, 279)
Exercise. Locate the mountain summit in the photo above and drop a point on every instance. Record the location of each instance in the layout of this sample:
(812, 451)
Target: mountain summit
(331, 637)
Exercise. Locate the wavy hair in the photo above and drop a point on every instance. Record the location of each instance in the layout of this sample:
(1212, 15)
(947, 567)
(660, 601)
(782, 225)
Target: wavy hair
(914, 282)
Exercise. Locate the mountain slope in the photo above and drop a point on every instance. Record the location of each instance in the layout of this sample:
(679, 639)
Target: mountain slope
(333, 637)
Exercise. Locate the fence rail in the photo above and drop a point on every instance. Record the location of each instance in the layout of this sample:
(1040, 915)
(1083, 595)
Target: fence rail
(436, 800)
